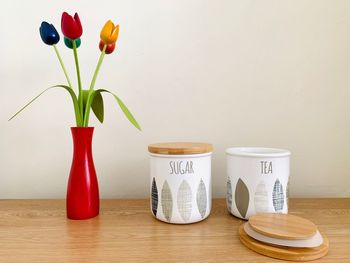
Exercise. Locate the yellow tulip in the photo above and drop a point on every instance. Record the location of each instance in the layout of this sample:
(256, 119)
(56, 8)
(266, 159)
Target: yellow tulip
(109, 33)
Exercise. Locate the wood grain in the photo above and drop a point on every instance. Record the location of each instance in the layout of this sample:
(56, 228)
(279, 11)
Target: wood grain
(180, 148)
(283, 226)
(126, 231)
(281, 252)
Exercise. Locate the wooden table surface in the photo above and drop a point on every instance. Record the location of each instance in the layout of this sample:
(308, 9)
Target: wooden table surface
(125, 231)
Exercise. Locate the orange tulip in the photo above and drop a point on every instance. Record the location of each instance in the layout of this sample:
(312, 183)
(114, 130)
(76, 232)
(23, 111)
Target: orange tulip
(109, 33)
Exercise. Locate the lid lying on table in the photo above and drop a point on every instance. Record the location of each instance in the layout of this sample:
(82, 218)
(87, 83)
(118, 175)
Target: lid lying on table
(284, 236)
(283, 226)
(180, 148)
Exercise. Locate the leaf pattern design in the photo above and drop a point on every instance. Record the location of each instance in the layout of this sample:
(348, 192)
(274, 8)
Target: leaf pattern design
(184, 200)
(287, 195)
(167, 201)
(229, 195)
(261, 200)
(242, 197)
(278, 196)
(202, 198)
(154, 197)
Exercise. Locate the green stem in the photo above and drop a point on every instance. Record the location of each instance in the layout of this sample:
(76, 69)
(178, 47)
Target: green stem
(99, 63)
(78, 112)
(92, 85)
(62, 65)
(80, 97)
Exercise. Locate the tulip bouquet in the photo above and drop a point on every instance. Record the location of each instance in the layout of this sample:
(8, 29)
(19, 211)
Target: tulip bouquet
(86, 99)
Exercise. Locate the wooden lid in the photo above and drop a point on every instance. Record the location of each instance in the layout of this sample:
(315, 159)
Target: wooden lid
(282, 252)
(283, 226)
(180, 148)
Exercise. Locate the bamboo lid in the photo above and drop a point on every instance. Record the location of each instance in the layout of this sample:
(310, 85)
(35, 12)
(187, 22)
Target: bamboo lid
(180, 148)
(284, 226)
(283, 252)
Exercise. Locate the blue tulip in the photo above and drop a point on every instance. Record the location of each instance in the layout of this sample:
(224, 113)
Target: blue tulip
(49, 34)
(69, 43)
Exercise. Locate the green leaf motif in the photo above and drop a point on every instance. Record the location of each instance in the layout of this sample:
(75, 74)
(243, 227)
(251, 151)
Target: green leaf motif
(78, 116)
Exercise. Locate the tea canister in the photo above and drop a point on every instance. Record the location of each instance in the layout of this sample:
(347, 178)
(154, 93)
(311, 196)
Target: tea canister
(180, 181)
(257, 181)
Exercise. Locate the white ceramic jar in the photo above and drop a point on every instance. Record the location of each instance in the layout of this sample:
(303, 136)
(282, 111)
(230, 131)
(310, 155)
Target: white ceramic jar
(257, 181)
(180, 181)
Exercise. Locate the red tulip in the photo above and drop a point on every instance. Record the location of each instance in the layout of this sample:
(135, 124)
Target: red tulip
(109, 49)
(71, 27)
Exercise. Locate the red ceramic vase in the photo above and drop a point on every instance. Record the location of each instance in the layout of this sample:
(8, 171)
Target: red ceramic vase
(83, 201)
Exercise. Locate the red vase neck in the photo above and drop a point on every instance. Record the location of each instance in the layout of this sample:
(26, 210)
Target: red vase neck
(82, 137)
(82, 131)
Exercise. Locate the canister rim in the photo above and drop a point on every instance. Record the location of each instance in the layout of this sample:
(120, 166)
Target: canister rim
(180, 148)
(257, 152)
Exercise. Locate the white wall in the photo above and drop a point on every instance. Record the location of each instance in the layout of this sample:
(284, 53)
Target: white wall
(233, 73)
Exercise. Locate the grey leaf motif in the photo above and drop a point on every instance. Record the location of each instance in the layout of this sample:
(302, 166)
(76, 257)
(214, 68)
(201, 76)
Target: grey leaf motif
(242, 197)
(278, 196)
(154, 197)
(261, 200)
(184, 200)
(287, 194)
(229, 195)
(167, 201)
(202, 198)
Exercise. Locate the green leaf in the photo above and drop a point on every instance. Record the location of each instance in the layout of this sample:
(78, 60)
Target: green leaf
(85, 94)
(123, 107)
(78, 116)
(127, 113)
(97, 106)
(96, 103)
